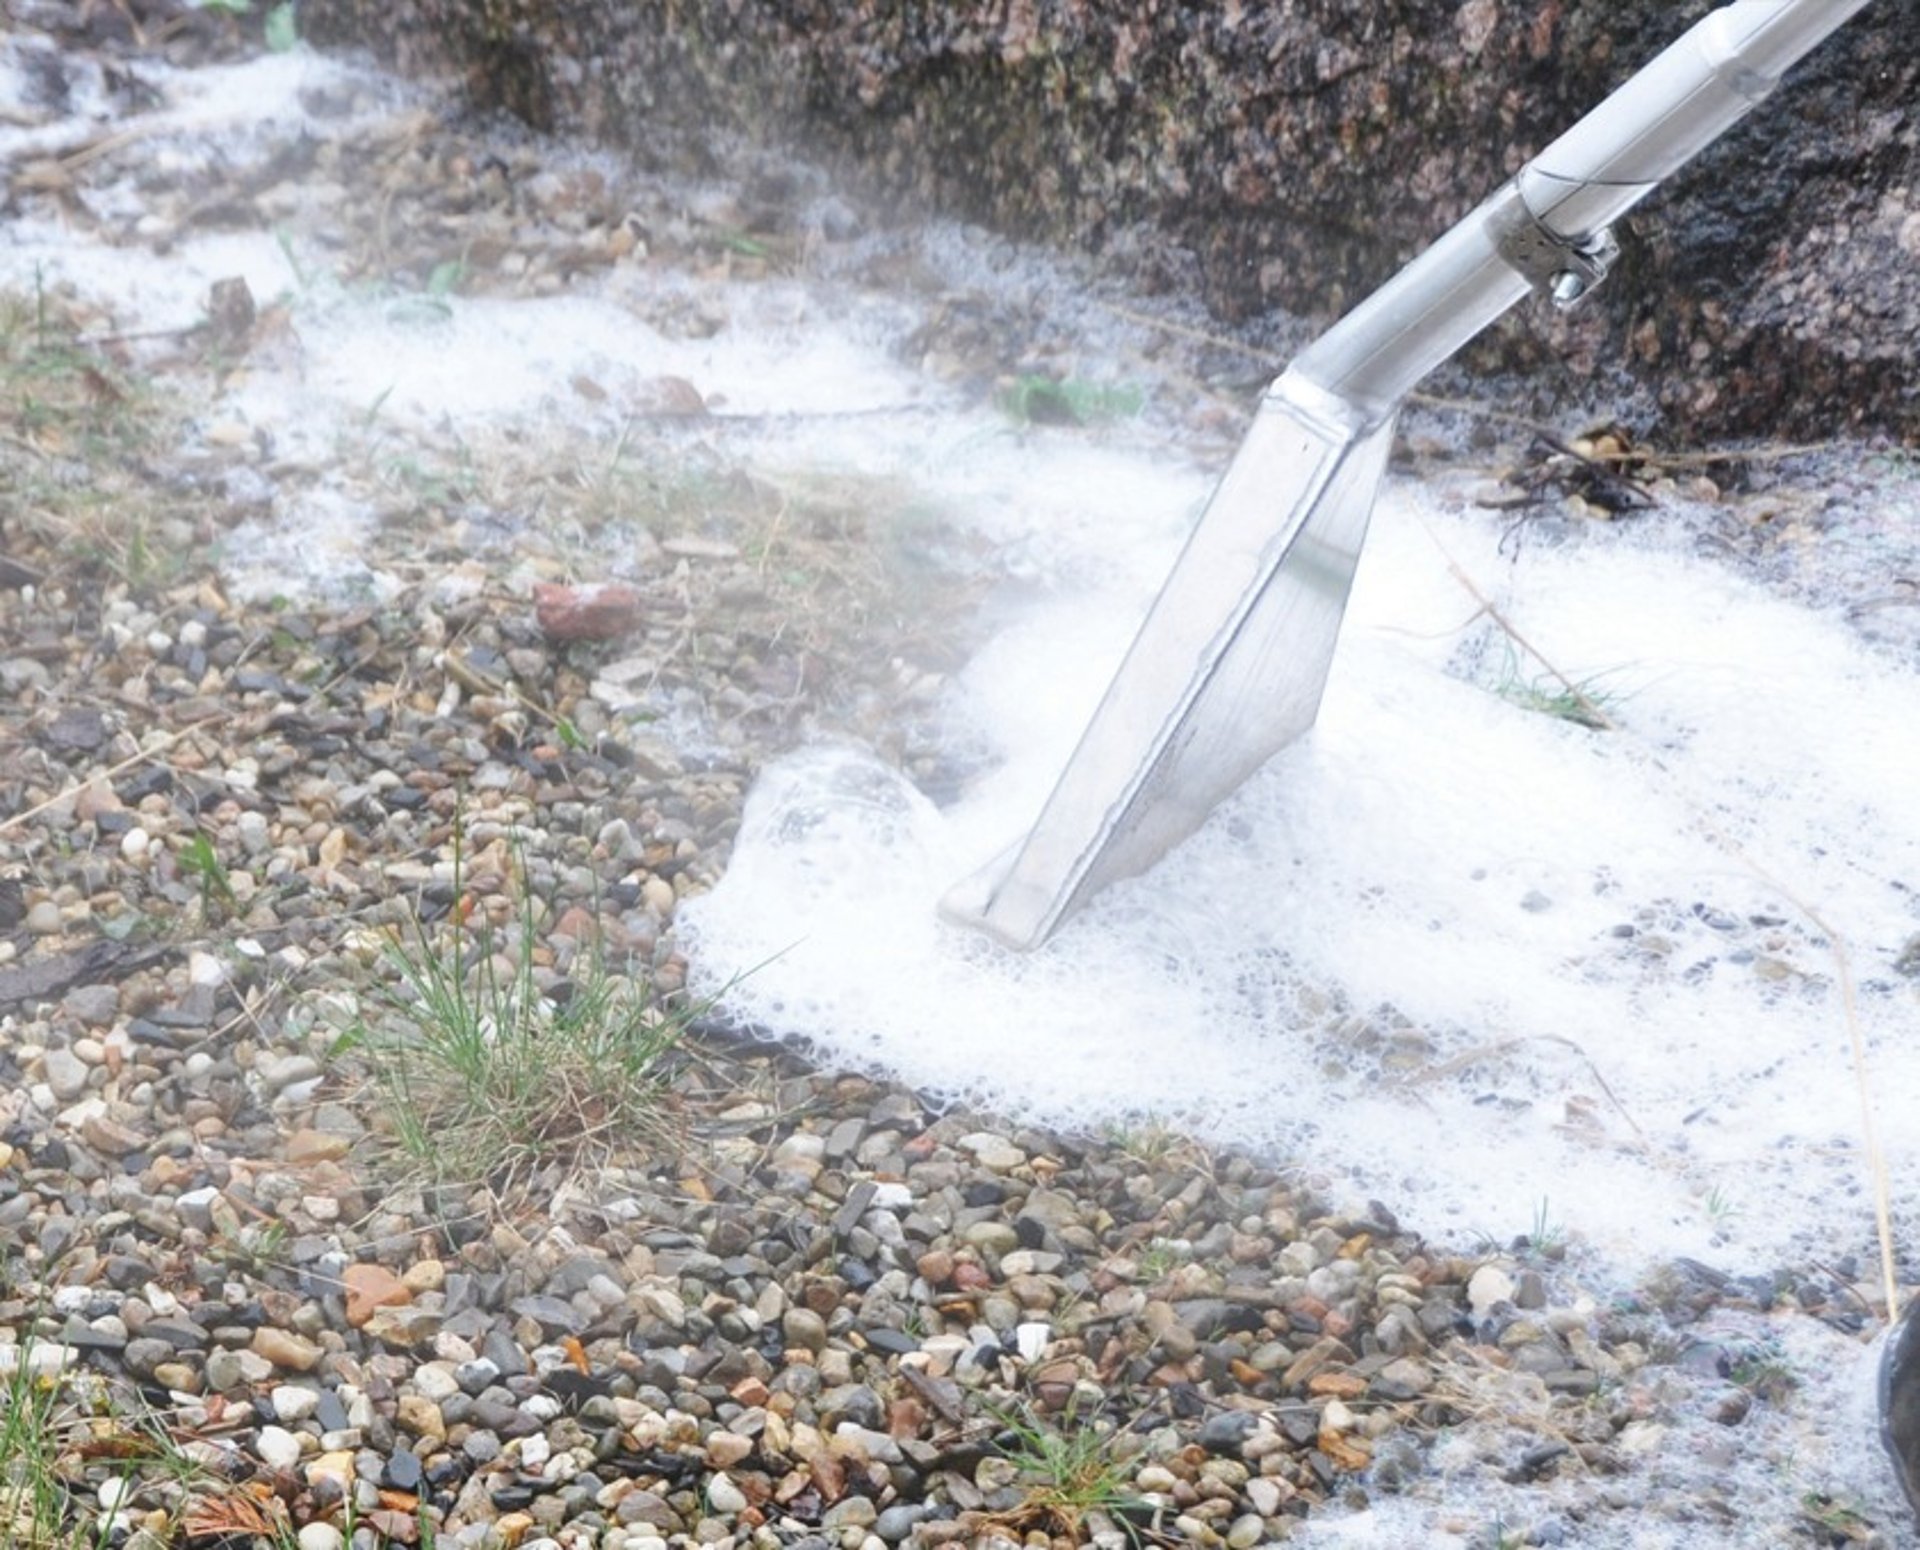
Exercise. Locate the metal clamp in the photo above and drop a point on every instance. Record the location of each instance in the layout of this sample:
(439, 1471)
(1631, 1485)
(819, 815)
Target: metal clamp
(1558, 267)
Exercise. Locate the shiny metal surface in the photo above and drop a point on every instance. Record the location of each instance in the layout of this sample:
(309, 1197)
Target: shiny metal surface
(1227, 669)
(1231, 662)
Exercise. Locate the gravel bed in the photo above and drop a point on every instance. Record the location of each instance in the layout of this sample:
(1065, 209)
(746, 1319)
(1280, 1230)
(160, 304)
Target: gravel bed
(818, 1310)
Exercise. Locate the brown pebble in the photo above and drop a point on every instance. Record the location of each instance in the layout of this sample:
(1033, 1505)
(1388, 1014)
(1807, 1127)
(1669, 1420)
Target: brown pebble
(370, 1287)
(110, 1136)
(751, 1392)
(598, 611)
(1341, 1385)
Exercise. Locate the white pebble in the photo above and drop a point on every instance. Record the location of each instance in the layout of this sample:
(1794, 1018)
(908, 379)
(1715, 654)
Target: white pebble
(724, 1496)
(320, 1536)
(134, 843)
(1489, 1285)
(278, 1447)
(294, 1403)
(435, 1381)
(205, 969)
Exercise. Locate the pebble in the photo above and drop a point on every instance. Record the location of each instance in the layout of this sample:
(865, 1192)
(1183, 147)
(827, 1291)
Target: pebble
(285, 1349)
(66, 1074)
(1489, 1285)
(278, 1447)
(293, 1403)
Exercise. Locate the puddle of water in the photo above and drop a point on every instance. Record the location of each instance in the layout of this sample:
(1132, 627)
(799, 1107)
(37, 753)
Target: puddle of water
(1449, 951)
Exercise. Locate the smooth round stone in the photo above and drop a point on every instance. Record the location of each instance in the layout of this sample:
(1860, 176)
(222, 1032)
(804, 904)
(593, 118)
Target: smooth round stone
(43, 919)
(278, 1447)
(993, 1237)
(724, 1496)
(803, 1327)
(850, 1512)
(178, 1377)
(236, 1369)
(66, 1074)
(1490, 1285)
(320, 1536)
(1245, 1533)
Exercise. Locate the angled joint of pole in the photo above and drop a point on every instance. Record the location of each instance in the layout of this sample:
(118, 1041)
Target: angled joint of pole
(1564, 269)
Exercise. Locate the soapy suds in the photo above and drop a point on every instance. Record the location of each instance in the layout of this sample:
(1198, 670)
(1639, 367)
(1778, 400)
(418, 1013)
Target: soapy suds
(1489, 966)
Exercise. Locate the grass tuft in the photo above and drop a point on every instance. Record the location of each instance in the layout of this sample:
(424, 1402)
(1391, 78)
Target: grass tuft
(1067, 1475)
(494, 1071)
(1585, 702)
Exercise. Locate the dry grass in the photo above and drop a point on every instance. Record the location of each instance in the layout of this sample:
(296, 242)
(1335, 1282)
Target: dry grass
(491, 1070)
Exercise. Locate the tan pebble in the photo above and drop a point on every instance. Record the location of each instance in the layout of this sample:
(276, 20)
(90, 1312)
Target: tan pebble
(309, 1146)
(336, 1466)
(178, 1377)
(167, 1172)
(725, 1449)
(1345, 1452)
(428, 1275)
(285, 1349)
(512, 1527)
(657, 894)
(402, 1326)
(421, 1416)
(95, 798)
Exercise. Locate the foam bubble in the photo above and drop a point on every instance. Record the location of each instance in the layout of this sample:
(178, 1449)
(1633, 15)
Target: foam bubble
(1449, 949)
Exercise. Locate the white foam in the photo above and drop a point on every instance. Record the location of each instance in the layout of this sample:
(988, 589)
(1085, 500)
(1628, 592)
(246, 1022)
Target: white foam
(1391, 957)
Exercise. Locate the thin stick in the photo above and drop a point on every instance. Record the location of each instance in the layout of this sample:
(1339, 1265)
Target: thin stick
(167, 740)
(1588, 707)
